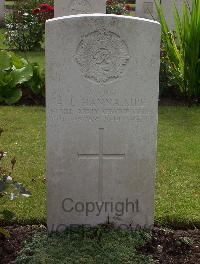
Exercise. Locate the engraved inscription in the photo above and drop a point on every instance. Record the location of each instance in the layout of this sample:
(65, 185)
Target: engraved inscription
(95, 109)
(101, 156)
(102, 56)
(80, 6)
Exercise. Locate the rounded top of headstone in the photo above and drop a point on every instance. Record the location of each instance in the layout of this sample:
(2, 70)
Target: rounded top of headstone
(106, 16)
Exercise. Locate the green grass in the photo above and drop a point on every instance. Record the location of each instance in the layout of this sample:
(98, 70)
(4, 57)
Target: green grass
(9, 3)
(178, 168)
(85, 246)
(24, 138)
(33, 56)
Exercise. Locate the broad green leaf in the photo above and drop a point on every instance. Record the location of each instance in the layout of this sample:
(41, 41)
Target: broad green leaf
(5, 60)
(14, 97)
(17, 61)
(22, 75)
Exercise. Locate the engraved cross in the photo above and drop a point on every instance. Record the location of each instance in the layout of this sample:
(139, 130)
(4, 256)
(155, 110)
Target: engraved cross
(101, 156)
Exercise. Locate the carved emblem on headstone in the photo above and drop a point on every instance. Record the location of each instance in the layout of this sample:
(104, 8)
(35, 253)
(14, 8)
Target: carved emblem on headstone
(102, 56)
(80, 6)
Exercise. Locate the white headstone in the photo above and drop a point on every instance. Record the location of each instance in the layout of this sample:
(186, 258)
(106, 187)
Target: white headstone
(2, 11)
(147, 9)
(73, 7)
(102, 78)
(168, 7)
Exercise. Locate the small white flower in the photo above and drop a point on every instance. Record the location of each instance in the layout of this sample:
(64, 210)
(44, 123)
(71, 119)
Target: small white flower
(25, 194)
(9, 179)
(13, 196)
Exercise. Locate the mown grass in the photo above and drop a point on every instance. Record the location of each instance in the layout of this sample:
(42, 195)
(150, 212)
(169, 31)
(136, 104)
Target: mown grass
(9, 3)
(86, 246)
(177, 196)
(24, 138)
(178, 167)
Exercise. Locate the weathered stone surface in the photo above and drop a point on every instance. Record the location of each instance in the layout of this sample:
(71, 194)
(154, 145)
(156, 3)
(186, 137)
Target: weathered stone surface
(102, 78)
(147, 9)
(73, 7)
(168, 6)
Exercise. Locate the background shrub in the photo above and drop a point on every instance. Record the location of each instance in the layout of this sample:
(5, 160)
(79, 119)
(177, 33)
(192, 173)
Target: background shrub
(13, 72)
(25, 28)
(17, 73)
(117, 7)
(182, 49)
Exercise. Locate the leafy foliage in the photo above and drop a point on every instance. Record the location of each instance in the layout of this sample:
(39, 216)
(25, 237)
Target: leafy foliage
(117, 7)
(86, 245)
(182, 48)
(37, 82)
(16, 72)
(167, 85)
(13, 71)
(26, 26)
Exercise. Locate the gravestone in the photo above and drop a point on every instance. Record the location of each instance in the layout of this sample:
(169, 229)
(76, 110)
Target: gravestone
(102, 78)
(2, 11)
(73, 7)
(168, 7)
(147, 9)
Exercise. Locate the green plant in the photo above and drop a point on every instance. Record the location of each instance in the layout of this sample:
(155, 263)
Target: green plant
(37, 82)
(26, 26)
(14, 71)
(184, 241)
(117, 7)
(81, 245)
(182, 48)
(166, 78)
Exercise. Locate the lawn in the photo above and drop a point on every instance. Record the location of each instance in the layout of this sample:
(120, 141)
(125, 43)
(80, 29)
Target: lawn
(9, 3)
(177, 197)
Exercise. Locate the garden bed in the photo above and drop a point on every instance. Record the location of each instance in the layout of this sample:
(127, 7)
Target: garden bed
(174, 246)
(164, 245)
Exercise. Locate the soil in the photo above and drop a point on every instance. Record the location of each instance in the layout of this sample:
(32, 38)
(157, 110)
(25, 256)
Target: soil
(172, 101)
(173, 246)
(9, 247)
(166, 246)
(30, 99)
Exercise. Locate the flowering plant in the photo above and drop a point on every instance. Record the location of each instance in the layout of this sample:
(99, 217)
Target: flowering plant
(26, 26)
(118, 8)
(44, 10)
